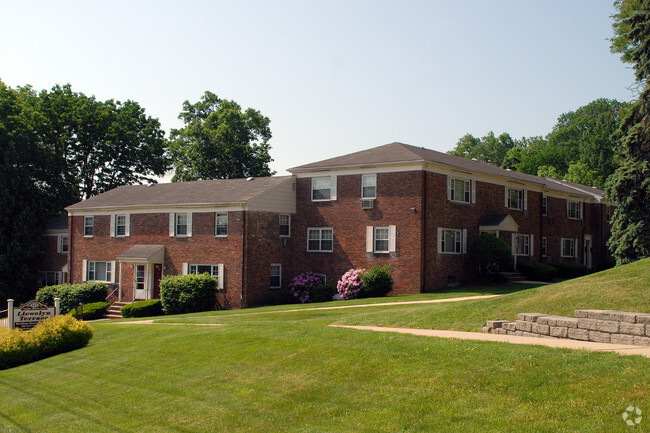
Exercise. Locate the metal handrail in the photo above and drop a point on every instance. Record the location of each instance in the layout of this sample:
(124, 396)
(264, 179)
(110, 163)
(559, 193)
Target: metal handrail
(111, 294)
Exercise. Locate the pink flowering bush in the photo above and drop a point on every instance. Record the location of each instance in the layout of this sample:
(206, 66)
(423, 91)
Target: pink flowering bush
(303, 284)
(350, 285)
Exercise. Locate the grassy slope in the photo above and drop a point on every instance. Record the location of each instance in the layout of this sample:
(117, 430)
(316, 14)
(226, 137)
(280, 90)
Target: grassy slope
(625, 288)
(266, 370)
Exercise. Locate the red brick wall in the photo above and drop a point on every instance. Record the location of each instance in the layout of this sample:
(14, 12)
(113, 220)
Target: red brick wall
(52, 260)
(264, 247)
(397, 195)
(153, 229)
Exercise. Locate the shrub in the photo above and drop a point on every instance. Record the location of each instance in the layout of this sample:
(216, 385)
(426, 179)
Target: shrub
(52, 336)
(72, 294)
(322, 293)
(92, 311)
(537, 271)
(152, 307)
(284, 296)
(188, 293)
(350, 285)
(571, 270)
(304, 284)
(490, 253)
(377, 281)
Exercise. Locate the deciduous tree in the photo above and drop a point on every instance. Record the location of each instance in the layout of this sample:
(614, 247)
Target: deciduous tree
(220, 141)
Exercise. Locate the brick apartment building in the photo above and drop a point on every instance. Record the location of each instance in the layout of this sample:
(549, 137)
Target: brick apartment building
(415, 209)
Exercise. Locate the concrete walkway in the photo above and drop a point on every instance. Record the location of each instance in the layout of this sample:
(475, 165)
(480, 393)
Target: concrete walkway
(623, 349)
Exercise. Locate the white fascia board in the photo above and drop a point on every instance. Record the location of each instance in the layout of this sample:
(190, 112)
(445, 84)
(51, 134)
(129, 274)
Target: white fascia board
(362, 169)
(232, 207)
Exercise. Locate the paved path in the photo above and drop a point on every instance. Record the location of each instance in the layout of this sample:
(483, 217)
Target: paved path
(624, 349)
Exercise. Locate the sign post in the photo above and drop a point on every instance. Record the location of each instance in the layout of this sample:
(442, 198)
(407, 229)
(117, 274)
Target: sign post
(10, 313)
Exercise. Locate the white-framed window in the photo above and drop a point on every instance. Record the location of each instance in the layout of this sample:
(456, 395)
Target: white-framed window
(544, 246)
(202, 269)
(452, 241)
(99, 271)
(323, 188)
(545, 206)
(285, 225)
(276, 276)
(515, 198)
(51, 278)
(120, 225)
(215, 270)
(523, 245)
(89, 226)
(180, 224)
(380, 239)
(369, 186)
(221, 224)
(574, 210)
(320, 239)
(62, 244)
(569, 247)
(460, 190)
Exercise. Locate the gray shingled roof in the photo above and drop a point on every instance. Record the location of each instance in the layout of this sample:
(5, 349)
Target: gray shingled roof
(202, 192)
(57, 223)
(395, 153)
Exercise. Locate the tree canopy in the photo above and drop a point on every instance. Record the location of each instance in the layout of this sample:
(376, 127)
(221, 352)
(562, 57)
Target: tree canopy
(22, 204)
(220, 141)
(59, 147)
(629, 186)
(580, 148)
(97, 145)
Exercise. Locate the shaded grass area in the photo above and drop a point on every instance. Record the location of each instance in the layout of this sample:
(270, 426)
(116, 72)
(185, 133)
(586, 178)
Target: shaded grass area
(300, 376)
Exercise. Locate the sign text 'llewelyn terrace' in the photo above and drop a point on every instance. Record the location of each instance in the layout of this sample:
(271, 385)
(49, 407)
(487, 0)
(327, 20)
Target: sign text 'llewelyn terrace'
(31, 314)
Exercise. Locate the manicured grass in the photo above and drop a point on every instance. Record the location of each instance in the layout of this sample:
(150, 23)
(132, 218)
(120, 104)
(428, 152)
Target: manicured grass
(274, 371)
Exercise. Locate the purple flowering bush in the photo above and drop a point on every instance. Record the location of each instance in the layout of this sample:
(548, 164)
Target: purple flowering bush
(350, 285)
(303, 284)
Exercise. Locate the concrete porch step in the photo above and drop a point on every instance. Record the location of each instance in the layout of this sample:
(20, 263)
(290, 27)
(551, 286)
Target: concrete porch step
(113, 312)
(513, 276)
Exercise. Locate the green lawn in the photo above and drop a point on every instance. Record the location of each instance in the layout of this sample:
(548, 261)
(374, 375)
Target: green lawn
(272, 370)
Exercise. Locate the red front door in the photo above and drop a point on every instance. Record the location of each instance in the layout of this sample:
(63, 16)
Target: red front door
(157, 274)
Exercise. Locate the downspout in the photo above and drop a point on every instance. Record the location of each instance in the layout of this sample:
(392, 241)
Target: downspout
(70, 243)
(541, 224)
(423, 236)
(244, 276)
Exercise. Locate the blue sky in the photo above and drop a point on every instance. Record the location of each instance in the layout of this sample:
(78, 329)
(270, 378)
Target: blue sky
(333, 76)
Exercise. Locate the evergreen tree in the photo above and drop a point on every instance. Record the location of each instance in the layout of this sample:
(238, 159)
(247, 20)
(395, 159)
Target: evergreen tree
(629, 187)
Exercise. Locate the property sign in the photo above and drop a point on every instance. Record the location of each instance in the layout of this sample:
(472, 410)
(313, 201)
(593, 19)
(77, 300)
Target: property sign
(31, 314)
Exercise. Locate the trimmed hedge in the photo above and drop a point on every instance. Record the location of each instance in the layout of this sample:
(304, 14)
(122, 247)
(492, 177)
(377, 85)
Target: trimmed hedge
(92, 311)
(537, 271)
(188, 293)
(152, 307)
(490, 253)
(52, 336)
(377, 281)
(571, 270)
(72, 294)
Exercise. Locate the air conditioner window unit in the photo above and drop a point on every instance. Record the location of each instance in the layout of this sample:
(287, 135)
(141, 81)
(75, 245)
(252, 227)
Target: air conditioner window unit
(367, 204)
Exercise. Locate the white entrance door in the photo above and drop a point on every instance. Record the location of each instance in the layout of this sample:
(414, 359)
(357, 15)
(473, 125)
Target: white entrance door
(139, 288)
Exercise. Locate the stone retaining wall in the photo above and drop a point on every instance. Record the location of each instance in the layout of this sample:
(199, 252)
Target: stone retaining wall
(602, 326)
